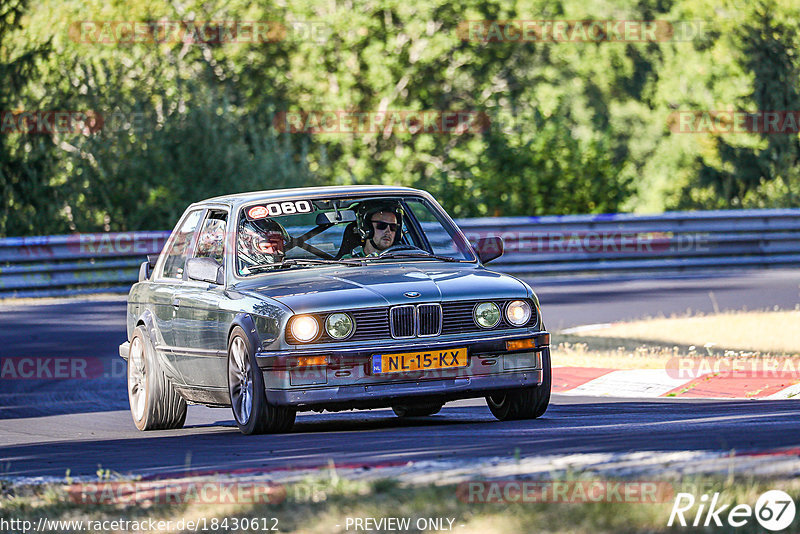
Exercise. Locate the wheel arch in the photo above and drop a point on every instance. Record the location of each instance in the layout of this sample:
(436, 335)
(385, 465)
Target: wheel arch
(148, 322)
(247, 324)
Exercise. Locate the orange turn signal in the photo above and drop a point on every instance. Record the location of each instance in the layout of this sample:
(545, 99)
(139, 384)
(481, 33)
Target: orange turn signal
(520, 344)
(307, 361)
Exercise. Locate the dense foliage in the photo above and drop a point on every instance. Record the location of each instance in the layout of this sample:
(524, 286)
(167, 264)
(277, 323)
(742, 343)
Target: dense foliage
(572, 127)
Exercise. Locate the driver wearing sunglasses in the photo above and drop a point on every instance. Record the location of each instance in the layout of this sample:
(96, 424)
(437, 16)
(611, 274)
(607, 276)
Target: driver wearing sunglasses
(378, 229)
(385, 225)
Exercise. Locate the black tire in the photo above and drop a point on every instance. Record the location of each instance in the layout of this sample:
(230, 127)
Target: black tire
(252, 412)
(416, 410)
(154, 402)
(525, 403)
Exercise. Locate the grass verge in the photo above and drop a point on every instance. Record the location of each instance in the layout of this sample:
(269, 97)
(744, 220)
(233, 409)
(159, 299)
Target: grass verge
(764, 331)
(323, 505)
(652, 343)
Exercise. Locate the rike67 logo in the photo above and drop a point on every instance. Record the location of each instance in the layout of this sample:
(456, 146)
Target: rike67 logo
(774, 511)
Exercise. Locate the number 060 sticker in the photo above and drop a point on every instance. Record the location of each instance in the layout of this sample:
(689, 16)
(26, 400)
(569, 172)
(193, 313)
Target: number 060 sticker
(276, 209)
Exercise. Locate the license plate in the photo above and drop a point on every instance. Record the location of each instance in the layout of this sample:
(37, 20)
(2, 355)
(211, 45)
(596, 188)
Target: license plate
(406, 362)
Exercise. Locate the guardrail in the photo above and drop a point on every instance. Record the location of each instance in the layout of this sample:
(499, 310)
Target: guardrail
(644, 245)
(573, 246)
(47, 266)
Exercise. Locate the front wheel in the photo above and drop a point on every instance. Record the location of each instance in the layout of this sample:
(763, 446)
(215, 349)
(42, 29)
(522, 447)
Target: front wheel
(253, 414)
(524, 403)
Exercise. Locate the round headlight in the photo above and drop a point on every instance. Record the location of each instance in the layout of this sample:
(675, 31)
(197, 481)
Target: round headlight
(487, 314)
(518, 312)
(304, 328)
(339, 325)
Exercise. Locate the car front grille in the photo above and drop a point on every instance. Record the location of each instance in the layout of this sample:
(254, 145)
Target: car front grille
(403, 321)
(423, 320)
(457, 317)
(420, 320)
(370, 323)
(430, 319)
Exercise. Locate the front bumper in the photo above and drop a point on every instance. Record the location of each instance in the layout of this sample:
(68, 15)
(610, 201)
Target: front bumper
(347, 381)
(385, 394)
(124, 350)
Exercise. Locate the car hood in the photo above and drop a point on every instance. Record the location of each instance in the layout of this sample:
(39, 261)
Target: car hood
(336, 288)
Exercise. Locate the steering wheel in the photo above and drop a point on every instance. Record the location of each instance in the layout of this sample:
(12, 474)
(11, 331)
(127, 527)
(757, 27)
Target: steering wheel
(401, 246)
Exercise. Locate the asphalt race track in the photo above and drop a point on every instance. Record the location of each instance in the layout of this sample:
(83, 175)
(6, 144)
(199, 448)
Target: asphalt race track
(49, 426)
(210, 441)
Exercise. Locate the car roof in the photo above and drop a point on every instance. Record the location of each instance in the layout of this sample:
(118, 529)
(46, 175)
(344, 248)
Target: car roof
(238, 199)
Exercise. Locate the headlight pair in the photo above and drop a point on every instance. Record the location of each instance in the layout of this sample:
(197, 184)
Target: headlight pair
(305, 328)
(487, 314)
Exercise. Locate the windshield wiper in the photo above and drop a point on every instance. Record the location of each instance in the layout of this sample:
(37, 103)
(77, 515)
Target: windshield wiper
(292, 262)
(424, 255)
(320, 261)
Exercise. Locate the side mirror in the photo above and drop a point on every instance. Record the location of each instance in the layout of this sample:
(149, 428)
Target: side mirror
(489, 248)
(146, 268)
(144, 271)
(205, 270)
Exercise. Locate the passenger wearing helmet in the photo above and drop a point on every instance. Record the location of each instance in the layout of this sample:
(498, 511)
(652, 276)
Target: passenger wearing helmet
(260, 242)
(379, 226)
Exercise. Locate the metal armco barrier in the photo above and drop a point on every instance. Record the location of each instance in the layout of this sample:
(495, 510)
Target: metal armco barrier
(572, 246)
(47, 266)
(608, 245)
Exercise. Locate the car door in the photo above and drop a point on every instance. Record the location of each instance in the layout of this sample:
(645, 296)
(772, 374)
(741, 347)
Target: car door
(167, 282)
(200, 327)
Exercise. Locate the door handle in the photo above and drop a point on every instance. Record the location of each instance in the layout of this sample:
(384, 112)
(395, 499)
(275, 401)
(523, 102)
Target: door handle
(176, 303)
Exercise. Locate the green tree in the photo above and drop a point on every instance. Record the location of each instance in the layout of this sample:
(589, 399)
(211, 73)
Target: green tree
(29, 200)
(758, 169)
(573, 127)
(769, 48)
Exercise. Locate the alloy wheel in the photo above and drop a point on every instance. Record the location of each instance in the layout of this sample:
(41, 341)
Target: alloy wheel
(137, 378)
(241, 381)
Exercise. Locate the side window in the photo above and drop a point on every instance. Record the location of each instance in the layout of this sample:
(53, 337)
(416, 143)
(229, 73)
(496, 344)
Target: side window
(441, 238)
(176, 256)
(211, 242)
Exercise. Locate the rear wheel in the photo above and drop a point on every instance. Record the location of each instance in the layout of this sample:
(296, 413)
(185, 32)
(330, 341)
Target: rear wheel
(524, 403)
(154, 402)
(253, 414)
(416, 410)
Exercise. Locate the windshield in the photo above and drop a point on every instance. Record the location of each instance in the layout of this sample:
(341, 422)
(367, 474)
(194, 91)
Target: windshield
(348, 231)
